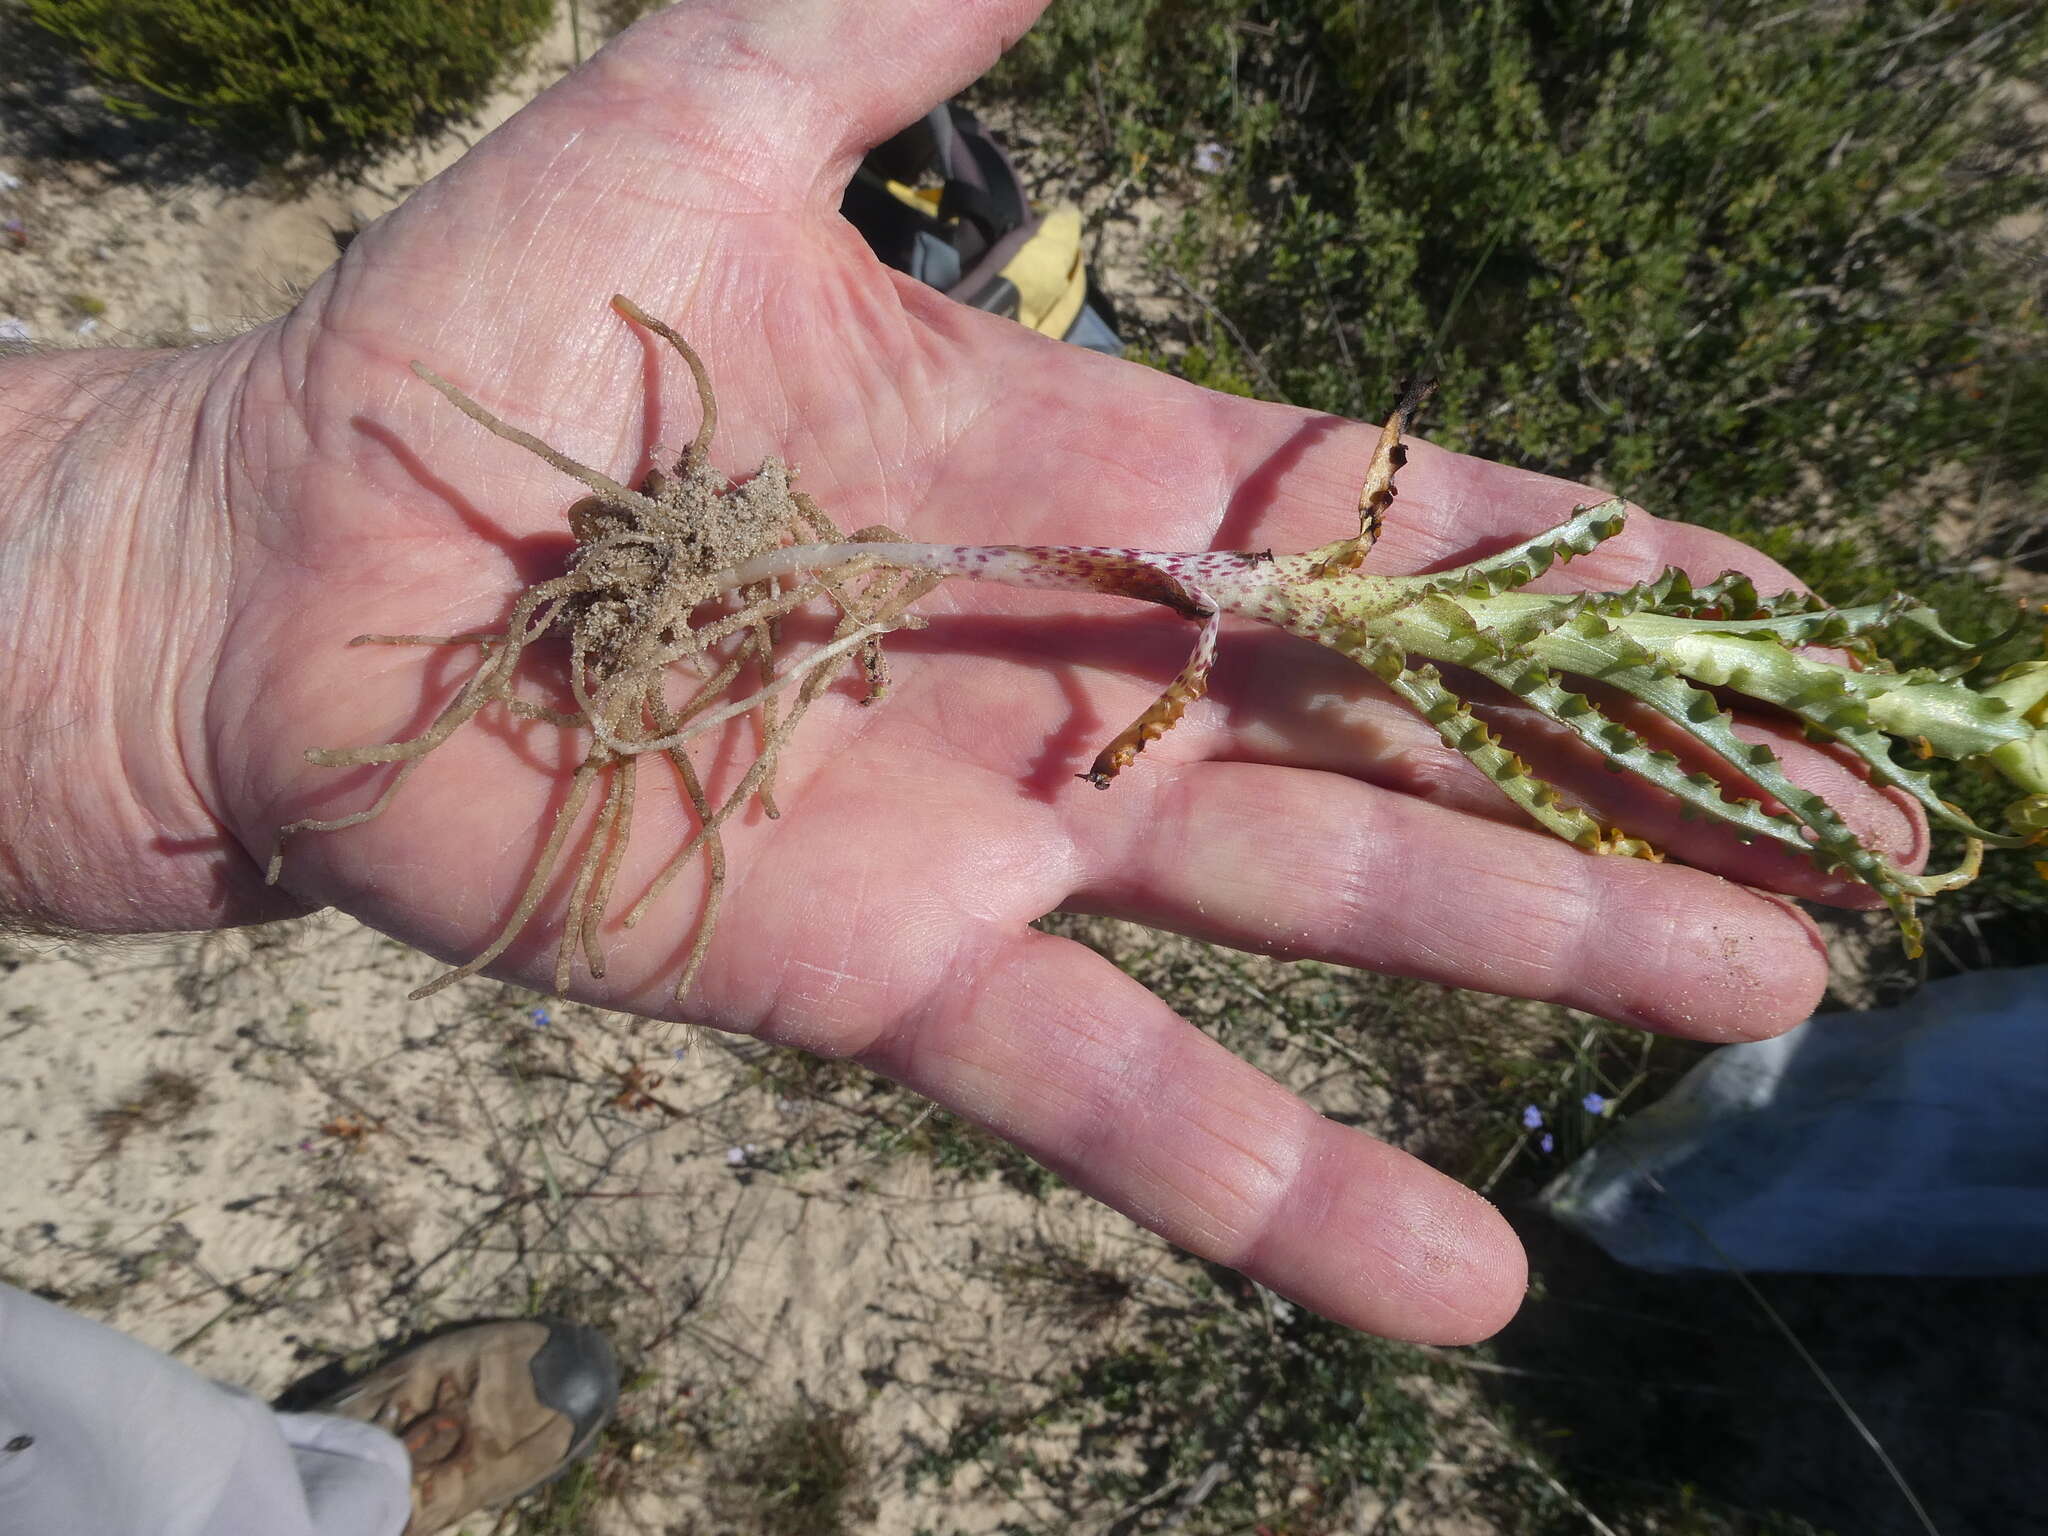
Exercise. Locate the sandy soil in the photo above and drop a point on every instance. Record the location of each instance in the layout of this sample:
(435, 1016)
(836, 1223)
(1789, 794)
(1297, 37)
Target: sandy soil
(123, 233)
(251, 1151)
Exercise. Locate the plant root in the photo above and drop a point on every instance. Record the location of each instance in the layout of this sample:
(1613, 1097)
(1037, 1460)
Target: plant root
(646, 596)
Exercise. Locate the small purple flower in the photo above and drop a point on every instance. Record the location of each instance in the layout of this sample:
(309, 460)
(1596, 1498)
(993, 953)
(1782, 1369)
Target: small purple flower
(1532, 1118)
(1548, 1143)
(305, 1144)
(1593, 1104)
(540, 1016)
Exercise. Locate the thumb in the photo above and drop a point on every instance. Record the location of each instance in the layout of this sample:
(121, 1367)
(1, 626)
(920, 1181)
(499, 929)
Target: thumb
(812, 83)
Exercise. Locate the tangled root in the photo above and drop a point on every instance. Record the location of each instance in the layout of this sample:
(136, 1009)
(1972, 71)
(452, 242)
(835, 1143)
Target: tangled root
(641, 599)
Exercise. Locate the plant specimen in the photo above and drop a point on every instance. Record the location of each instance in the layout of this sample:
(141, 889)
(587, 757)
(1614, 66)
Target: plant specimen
(691, 574)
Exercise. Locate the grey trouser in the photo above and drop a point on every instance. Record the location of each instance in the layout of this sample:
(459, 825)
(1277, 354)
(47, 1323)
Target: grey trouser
(103, 1436)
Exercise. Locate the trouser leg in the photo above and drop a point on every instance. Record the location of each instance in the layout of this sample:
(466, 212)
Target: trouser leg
(100, 1433)
(357, 1478)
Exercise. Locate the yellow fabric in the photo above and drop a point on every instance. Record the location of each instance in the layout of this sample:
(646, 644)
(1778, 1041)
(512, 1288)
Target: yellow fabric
(924, 199)
(1050, 277)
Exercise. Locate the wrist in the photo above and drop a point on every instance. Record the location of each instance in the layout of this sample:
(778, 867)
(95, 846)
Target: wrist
(116, 562)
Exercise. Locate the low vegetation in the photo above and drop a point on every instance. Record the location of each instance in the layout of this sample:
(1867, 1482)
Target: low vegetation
(330, 79)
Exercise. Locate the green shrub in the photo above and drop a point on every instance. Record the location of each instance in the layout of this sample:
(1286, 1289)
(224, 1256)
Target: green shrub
(329, 77)
(1738, 261)
(1705, 249)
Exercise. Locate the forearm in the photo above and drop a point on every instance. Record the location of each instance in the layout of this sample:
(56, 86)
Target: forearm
(114, 563)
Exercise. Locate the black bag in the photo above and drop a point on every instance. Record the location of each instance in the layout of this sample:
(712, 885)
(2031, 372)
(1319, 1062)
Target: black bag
(974, 235)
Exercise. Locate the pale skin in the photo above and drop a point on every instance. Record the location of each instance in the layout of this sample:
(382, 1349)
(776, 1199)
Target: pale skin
(200, 533)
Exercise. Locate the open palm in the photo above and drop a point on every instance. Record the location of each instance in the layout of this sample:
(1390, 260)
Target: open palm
(695, 165)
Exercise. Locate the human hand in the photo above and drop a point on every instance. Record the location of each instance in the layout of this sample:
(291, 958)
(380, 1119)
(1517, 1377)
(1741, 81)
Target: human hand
(695, 165)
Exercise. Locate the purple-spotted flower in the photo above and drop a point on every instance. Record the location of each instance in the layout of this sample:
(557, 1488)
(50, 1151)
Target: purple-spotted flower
(540, 1016)
(1548, 1143)
(1532, 1118)
(1593, 1104)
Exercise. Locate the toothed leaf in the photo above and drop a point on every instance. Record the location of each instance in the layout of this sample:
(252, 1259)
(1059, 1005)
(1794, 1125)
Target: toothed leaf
(1520, 564)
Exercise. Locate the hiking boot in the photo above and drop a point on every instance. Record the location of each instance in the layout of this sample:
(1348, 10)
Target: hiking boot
(488, 1412)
